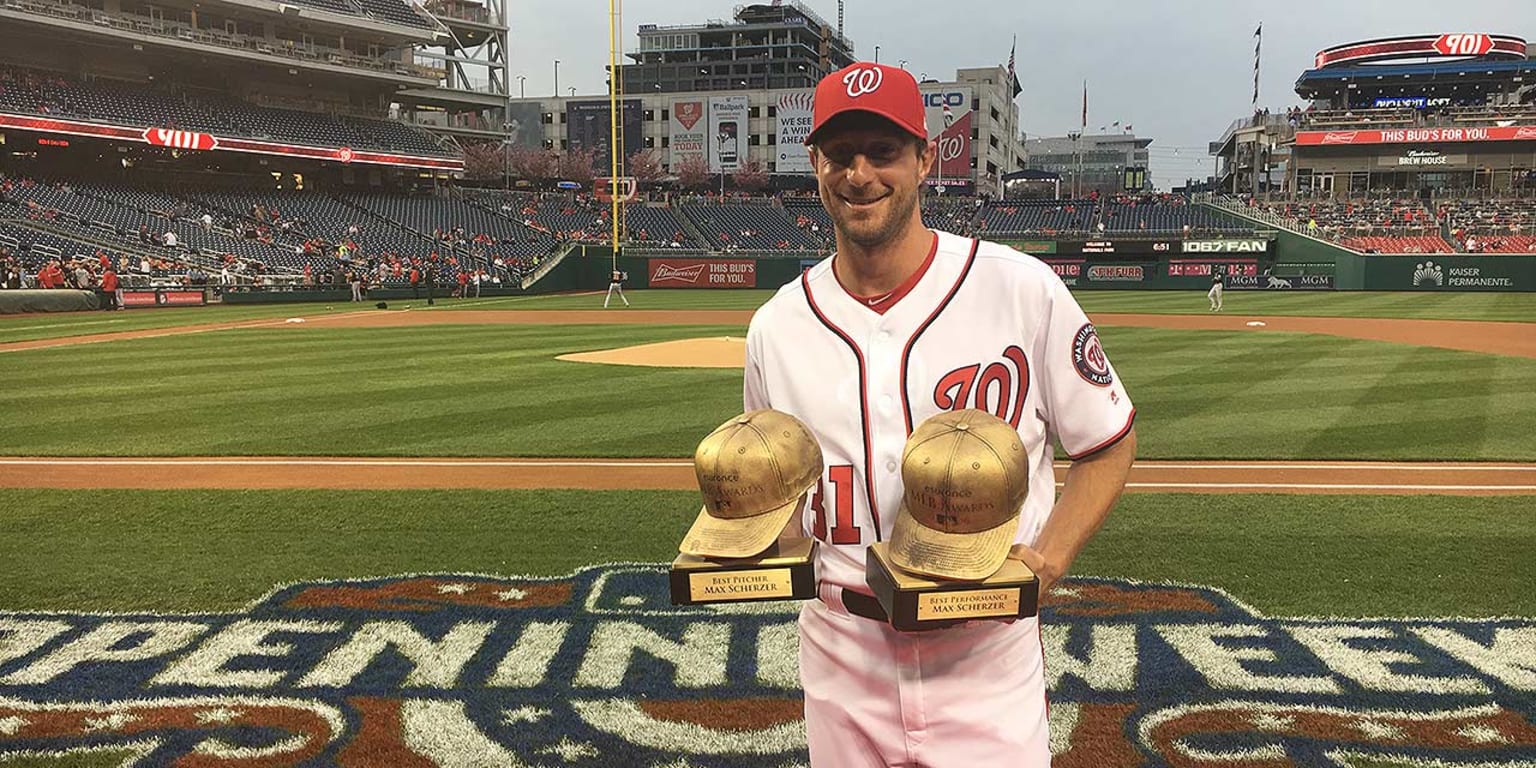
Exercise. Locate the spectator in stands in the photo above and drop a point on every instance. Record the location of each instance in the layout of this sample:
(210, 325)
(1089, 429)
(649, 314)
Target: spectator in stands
(207, 222)
(415, 282)
(355, 280)
(169, 239)
(111, 290)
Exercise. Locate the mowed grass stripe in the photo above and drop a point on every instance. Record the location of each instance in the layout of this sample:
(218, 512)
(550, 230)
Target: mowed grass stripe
(474, 390)
(1428, 305)
(218, 550)
(499, 391)
(1273, 395)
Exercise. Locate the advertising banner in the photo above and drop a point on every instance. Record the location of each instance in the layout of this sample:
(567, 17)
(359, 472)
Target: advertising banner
(1421, 157)
(525, 121)
(1276, 283)
(702, 273)
(1032, 246)
(1243, 245)
(1115, 273)
(794, 116)
(727, 137)
(163, 298)
(588, 126)
(685, 131)
(1416, 135)
(178, 139)
(1069, 270)
(947, 111)
(1451, 273)
(1204, 267)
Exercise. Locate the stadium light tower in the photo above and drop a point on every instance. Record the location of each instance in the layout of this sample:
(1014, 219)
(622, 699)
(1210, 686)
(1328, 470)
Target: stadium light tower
(522, 81)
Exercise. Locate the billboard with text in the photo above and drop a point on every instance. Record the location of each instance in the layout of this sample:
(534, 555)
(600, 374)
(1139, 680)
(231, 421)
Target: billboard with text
(686, 129)
(728, 130)
(794, 123)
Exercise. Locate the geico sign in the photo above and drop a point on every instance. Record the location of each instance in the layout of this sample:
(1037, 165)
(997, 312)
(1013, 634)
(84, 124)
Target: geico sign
(1225, 246)
(953, 99)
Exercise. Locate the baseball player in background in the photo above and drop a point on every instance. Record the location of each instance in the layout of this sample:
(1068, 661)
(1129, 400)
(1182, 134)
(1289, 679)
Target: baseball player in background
(903, 322)
(615, 283)
(1214, 294)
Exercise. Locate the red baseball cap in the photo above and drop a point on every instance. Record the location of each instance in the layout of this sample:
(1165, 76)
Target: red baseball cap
(890, 92)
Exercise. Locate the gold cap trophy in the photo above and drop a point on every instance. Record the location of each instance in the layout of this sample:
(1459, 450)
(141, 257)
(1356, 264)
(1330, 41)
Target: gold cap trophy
(965, 476)
(753, 472)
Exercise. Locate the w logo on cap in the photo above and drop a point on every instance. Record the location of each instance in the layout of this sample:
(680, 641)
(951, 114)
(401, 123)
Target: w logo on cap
(863, 80)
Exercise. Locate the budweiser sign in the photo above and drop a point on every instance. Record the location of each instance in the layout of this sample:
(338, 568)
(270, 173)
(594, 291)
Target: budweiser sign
(666, 272)
(175, 139)
(703, 273)
(1417, 135)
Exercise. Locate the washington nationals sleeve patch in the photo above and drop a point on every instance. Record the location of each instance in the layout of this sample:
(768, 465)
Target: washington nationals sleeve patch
(1088, 357)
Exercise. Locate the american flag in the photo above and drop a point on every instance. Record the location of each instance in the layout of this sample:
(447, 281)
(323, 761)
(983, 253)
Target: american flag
(1013, 77)
(1258, 40)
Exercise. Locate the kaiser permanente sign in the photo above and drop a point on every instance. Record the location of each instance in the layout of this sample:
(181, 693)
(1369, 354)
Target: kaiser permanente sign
(1416, 135)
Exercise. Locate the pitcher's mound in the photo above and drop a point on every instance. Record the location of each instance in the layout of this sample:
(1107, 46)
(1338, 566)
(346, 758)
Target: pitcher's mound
(717, 352)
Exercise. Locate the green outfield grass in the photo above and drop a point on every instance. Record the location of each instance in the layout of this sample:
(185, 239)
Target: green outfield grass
(217, 550)
(487, 390)
(1515, 307)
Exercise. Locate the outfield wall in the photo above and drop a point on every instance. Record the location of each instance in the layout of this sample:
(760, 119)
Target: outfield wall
(1290, 262)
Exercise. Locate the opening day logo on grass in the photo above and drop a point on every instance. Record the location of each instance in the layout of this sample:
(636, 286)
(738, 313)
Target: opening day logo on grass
(599, 669)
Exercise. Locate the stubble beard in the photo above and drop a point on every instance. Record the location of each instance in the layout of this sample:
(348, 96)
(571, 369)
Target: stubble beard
(875, 231)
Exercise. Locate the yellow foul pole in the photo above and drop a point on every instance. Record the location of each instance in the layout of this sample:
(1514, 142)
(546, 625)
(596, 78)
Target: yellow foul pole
(613, 127)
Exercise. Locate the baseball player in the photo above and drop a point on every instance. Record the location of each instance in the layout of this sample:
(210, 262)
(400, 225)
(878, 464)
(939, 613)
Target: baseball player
(1214, 294)
(903, 322)
(615, 283)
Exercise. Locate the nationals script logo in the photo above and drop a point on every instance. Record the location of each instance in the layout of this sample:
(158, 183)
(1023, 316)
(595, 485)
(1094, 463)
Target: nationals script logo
(863, 80)
(667, 272)
(598, 668)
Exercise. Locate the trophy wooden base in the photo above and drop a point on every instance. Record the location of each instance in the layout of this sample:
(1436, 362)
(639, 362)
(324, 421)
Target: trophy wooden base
(785, 571)
(916, 603)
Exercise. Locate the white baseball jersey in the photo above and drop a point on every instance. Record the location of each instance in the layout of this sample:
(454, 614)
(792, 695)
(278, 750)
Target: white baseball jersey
(984, 327)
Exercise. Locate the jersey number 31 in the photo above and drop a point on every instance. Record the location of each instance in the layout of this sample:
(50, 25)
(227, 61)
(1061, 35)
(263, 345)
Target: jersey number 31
(843, 530)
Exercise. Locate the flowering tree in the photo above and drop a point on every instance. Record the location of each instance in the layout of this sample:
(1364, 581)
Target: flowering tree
(577, 165)
(692, 172)
(751, 177)
(645, 166)
(484, 161)
(536, 165)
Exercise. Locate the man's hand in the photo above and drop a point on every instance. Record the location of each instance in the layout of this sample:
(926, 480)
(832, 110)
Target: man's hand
(1047, 574)
(1092, 486)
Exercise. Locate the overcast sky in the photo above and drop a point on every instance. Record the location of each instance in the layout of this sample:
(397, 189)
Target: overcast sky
(1177, 70)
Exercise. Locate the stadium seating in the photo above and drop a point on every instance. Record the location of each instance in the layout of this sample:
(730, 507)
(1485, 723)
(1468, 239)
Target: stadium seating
(393, 11)
(1402, 244)
(41, 93)
(761, 226)
(1038, 217)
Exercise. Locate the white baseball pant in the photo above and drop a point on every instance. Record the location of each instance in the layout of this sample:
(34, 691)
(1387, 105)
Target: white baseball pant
(971, 696)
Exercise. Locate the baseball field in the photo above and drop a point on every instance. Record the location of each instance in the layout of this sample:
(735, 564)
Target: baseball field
(338, 535)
